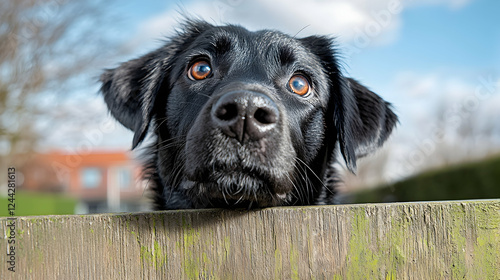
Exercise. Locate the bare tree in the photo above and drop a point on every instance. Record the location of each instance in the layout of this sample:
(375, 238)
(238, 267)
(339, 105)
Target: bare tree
(47, 48)
(45, 45)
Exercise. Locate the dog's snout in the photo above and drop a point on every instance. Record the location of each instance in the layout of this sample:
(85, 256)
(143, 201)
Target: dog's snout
(245, 113)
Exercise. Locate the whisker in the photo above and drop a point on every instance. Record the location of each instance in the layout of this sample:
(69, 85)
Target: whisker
(315, 175)
(239, 199)
(303, 173)
(224, 195)
(254, 195)
(162, 121)
(250, 205)
(202, 94)
(294, 187)
(239, 189)
(174, 185)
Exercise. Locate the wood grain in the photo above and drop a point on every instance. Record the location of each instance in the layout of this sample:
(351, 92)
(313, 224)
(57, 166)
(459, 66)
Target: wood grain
(436, 240)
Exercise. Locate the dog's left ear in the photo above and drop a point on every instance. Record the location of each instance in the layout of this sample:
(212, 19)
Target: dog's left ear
(362, 120)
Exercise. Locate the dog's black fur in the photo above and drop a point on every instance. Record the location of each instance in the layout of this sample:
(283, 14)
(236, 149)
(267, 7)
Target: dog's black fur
(241, 137)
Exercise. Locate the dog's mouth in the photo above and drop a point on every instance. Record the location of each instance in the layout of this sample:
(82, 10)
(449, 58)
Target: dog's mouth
(237, 190)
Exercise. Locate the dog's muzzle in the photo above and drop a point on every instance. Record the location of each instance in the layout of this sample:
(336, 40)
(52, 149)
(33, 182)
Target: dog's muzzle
(245, 114)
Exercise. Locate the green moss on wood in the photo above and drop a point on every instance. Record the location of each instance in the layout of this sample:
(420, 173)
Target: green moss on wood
(278, 261)
(362, 260)
(487, 245)
(191, 238)
(294, 262)
(154, 256)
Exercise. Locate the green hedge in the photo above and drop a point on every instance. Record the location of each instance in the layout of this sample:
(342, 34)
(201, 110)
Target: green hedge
(477, 180)
(34, 204)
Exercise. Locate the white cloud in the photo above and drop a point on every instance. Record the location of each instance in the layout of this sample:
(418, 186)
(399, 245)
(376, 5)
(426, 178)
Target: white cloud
(358, 22)
(82, 123)
(451, 100)
(345, 19)
(445, 117)
(424, 95)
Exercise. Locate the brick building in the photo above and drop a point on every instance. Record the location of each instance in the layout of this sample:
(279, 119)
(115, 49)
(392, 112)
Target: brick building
(102, 181)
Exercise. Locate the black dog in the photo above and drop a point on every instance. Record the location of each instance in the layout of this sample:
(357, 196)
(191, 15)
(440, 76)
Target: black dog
(245, 119)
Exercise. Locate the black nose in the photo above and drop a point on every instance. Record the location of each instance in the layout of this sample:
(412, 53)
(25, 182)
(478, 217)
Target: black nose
(243, 114)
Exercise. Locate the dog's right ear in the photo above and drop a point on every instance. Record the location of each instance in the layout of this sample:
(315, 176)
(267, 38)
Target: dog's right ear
(130, 90)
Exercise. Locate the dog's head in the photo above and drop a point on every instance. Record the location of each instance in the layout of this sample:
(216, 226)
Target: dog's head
(245, 117)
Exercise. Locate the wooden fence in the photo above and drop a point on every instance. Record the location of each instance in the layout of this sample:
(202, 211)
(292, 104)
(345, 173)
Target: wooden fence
(435, 240)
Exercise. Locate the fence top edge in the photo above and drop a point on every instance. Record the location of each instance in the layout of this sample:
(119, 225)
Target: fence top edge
(481, 202)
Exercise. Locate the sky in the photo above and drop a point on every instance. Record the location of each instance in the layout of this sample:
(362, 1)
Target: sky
(430, 58)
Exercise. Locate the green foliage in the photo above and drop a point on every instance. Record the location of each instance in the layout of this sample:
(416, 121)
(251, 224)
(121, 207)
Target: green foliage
(477, 180)
(34, 204)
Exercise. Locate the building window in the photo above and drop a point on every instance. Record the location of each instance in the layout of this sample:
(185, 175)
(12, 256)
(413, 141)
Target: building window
(91, 177)
(124, 178)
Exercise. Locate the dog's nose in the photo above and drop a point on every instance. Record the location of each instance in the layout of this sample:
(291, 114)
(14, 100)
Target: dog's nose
(245, 113)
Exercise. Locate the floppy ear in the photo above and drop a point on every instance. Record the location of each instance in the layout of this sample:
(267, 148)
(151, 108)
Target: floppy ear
(366, 123)
(130, 90)
(362, 120)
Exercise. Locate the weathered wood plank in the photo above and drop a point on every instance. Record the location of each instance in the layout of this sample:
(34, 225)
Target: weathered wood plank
(437, 240)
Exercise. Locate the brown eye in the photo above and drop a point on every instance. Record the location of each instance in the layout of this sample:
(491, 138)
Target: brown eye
(199, 70)
(298, 84)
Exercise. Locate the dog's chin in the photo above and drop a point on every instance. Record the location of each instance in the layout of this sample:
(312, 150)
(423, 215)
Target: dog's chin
(234, 190)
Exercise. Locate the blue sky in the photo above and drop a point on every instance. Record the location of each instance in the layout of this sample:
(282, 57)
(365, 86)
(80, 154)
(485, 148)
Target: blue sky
(438, 37)
(429, 55)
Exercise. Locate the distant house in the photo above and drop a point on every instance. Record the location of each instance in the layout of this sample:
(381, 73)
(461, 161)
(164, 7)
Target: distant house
(103, 181)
